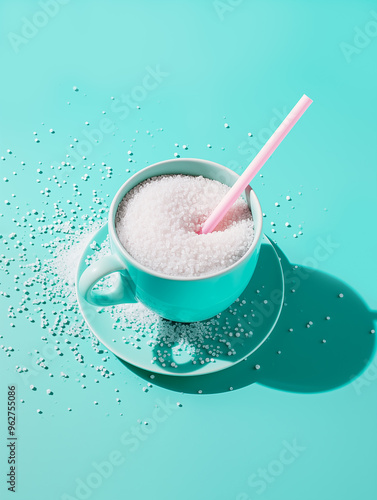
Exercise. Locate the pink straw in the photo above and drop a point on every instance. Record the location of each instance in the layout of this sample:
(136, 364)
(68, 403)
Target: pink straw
(257, 163)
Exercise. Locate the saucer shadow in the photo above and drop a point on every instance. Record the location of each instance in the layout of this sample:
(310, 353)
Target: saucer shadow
(321, 341)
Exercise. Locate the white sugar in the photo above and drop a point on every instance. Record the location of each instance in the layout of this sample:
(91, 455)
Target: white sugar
(157, 223)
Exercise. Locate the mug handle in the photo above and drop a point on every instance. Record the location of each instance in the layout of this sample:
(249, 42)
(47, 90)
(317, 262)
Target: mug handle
(120, 293)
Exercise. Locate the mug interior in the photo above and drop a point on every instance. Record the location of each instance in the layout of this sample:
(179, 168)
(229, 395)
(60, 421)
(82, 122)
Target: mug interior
(186, 166)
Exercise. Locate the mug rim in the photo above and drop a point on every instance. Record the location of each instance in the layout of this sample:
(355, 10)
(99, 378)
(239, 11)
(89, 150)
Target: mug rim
(114, 236)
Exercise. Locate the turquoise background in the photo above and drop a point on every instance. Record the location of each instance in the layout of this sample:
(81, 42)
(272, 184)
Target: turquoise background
(249, 63)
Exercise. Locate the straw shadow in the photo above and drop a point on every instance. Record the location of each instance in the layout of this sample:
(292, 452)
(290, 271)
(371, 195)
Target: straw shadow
(321, 341)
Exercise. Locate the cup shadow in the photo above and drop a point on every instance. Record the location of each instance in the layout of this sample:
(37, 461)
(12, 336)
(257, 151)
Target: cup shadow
(228, 338)
(321, 341)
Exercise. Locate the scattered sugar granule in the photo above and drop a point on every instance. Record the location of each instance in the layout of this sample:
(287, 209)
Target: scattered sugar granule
(158, 220)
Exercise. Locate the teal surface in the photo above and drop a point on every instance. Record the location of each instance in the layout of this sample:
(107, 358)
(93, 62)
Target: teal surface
(304, 424)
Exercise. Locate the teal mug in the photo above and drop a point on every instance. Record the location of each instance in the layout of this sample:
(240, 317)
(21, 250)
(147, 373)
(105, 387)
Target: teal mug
(177, 299)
